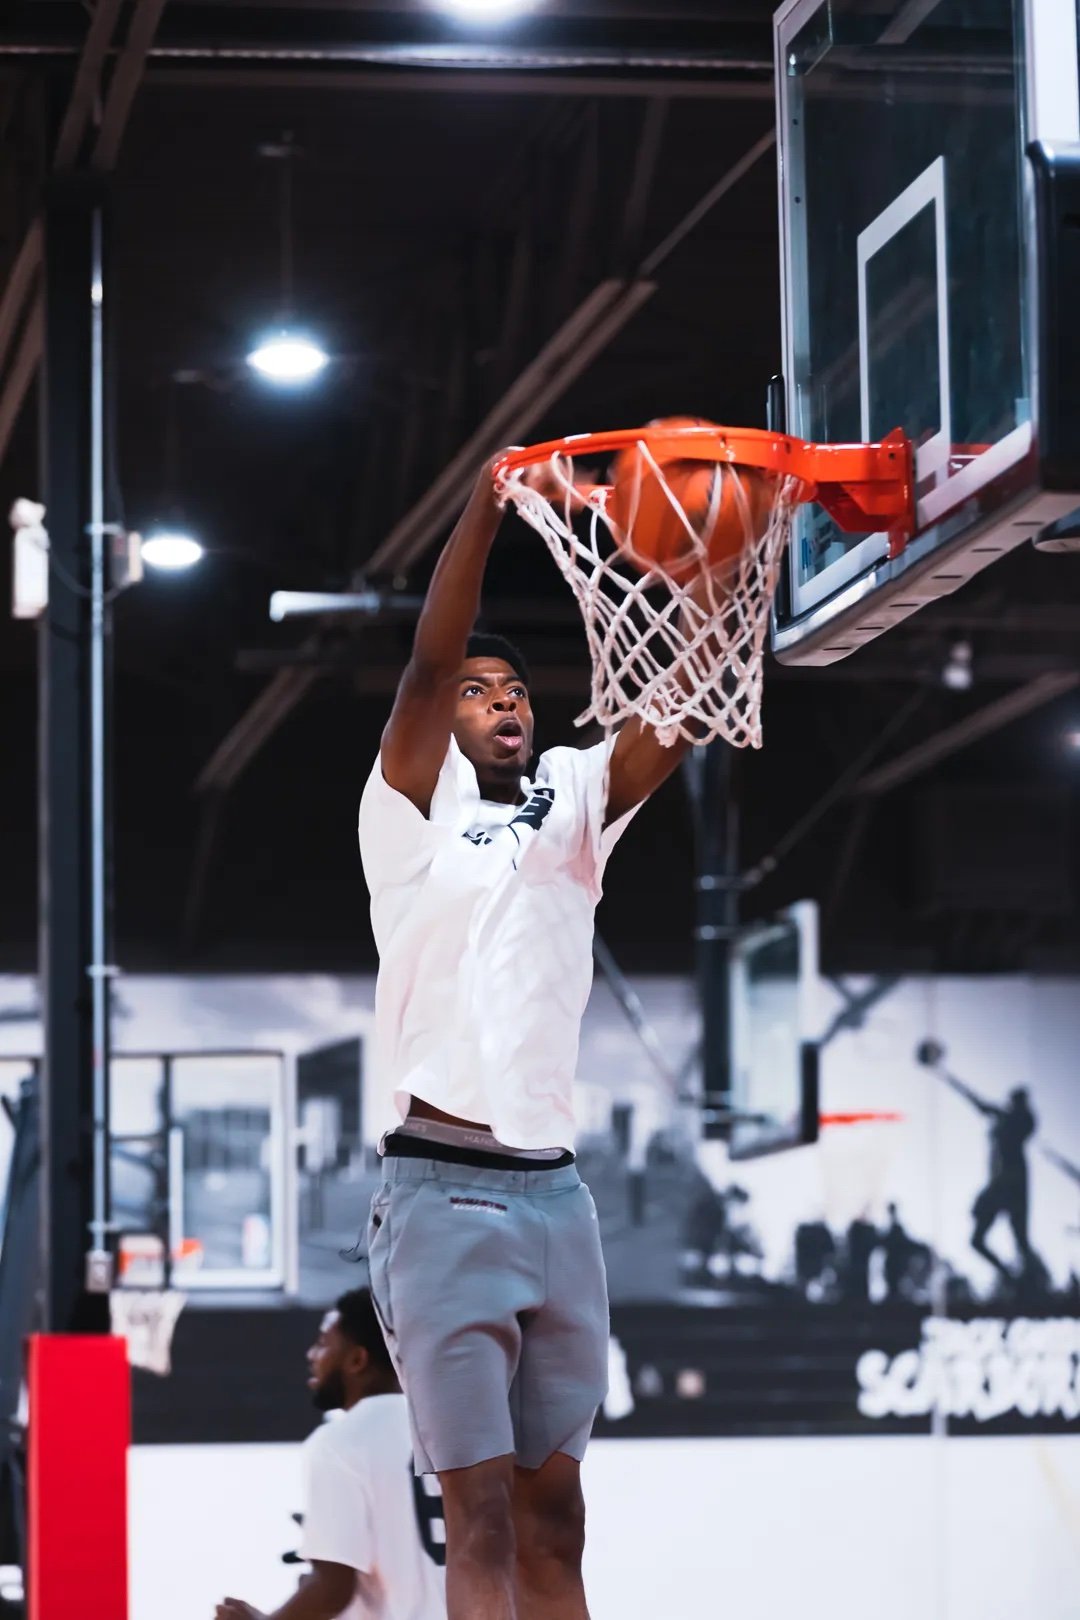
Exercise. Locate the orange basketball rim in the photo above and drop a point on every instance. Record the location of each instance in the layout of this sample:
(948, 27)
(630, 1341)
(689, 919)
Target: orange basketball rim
(863, 487)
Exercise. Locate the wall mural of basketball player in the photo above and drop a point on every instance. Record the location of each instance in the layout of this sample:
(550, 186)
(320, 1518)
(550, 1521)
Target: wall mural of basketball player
(715, 1228)
(1007, 1192)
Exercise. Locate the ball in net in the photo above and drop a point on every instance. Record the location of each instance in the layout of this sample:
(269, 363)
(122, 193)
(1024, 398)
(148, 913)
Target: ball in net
(680, 515)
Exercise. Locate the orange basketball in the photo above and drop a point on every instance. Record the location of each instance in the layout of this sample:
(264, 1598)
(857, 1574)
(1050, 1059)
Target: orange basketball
(726, 507)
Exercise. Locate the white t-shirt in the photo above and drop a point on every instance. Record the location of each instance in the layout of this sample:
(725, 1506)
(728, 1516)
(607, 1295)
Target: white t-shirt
(365, 1508)
(483, 919)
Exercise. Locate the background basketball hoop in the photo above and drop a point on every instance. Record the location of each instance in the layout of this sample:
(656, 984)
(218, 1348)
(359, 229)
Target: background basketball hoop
(856, 1151)
(146, 1318)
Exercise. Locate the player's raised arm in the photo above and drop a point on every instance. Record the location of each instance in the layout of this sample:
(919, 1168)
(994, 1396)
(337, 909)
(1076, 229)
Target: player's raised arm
(989, 1109)
(417, 734)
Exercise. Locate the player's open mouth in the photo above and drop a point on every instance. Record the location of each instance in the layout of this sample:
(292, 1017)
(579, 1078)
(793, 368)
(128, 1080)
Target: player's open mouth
(510, 740)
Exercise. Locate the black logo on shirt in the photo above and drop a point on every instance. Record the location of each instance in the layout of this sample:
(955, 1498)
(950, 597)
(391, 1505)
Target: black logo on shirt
(533, 813)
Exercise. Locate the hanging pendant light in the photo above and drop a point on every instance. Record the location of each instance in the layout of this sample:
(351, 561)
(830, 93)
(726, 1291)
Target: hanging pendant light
(169, 544)
(286, 355)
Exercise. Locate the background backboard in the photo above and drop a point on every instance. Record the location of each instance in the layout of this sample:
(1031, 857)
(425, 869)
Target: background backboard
(774, 977)
(909, 253)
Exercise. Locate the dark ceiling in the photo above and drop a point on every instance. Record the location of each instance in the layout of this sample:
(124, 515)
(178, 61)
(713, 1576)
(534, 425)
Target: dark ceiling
(457, 196)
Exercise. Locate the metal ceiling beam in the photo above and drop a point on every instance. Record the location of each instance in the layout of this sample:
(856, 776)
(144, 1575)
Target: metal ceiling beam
(545, 379)
(391, 80)
(642, 178)
(20, 282)
(22, 373)
(477, 57)
(717, 52)
(844, 785)
(982, 723)
(236, 750)
(846, 860)
(86, 89)
(579, 216)
(517, 304)
(87, 85)
(705, 205)
(863, 786)
(696, 51)
(199, 878)
(171, 73)
(125, 81)
(230, 33)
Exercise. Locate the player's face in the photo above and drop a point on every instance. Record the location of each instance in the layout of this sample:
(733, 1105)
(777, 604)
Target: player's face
(325, 1359)
(493, 724)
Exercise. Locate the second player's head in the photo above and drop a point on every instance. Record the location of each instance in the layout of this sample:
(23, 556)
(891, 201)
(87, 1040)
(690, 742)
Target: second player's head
(349, 1359)
(493, 722)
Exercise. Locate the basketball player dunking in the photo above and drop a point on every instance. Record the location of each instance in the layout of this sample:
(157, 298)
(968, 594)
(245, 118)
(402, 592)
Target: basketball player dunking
(484, 1250)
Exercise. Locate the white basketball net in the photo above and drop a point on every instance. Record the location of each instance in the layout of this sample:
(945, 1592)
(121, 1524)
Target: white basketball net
(855, 1160)
(146, 1318)
(684, 655)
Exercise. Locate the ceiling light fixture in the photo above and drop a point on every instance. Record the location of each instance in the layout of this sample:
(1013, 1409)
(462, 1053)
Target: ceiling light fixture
(286, 356)
(170, 550)
(487, 10)
(958, 674)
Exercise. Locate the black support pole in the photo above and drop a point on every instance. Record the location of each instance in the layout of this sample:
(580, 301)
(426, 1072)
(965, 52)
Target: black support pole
(710, 779)
(65, 771)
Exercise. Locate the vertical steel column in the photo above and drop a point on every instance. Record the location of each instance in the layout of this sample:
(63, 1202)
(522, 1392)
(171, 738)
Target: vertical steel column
(73, 907)
(710, 778)
(99, 1263)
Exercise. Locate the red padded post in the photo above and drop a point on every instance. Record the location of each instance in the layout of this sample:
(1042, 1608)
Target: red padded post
(80, 1430)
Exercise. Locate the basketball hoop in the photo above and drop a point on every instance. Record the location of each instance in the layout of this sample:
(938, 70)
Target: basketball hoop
(682, 646)
(140, 1259)
(146, 1318)
(856, 1151)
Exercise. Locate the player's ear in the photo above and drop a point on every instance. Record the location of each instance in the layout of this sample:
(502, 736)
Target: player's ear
(359, 1360)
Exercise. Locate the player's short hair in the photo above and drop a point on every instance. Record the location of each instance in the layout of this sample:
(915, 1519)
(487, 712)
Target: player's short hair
(359, 1322)
(482, 645)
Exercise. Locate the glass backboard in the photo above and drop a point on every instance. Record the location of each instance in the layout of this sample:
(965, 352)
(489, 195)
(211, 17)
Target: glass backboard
(907, 244)
(774, 971)
(198, 1165)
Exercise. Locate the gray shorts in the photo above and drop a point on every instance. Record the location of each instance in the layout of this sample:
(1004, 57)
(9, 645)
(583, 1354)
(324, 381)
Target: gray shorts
(491, 1290)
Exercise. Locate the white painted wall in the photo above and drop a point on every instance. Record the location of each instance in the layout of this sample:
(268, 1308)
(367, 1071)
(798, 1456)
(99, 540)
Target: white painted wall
(888, 1528)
